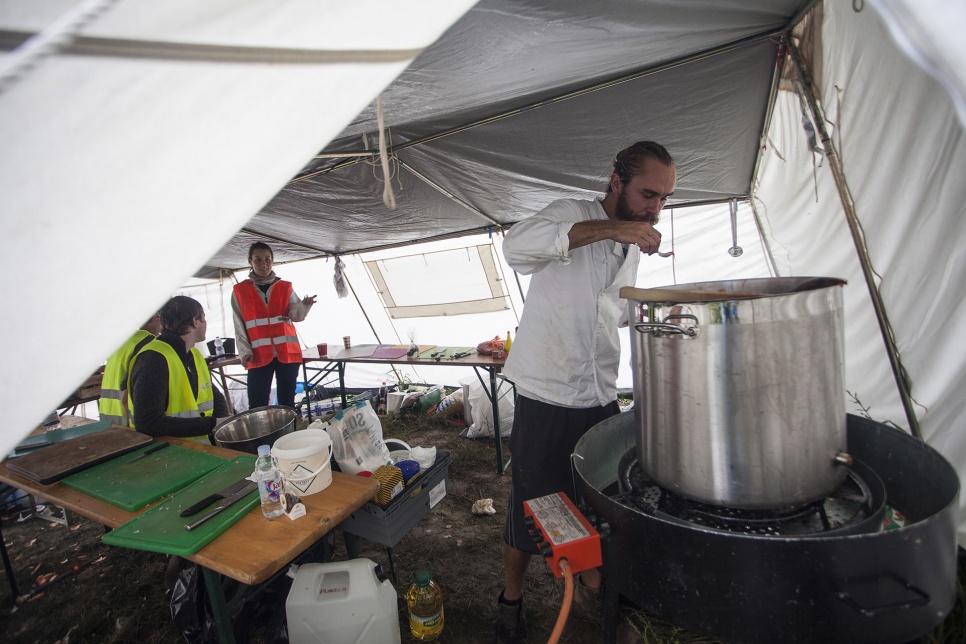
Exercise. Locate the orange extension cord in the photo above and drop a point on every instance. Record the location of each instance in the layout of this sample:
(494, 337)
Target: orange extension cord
(565, 607)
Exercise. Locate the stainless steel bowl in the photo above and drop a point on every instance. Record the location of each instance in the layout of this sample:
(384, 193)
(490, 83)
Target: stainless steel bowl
(259, 426)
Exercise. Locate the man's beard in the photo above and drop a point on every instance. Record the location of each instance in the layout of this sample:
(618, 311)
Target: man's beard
(623, 212)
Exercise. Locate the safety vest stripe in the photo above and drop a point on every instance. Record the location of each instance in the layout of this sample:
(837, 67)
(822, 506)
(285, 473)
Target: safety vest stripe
(115, 420)
(282, 339)
(186, 414)
(264, 342)
(251, 324)
(205, 406)
(114, 394)
(280, 319)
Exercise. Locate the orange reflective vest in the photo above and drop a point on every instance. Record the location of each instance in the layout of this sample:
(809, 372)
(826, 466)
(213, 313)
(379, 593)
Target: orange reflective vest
(270, 326)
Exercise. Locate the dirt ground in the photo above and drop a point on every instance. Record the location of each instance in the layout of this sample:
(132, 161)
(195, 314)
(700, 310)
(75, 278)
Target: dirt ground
(117, 595)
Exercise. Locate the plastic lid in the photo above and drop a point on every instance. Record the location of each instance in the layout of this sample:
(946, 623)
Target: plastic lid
(264, 450)
(422, 578)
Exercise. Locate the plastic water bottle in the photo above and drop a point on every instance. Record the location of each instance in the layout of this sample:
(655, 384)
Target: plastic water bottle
(219, 347)
(269, 483)
(425, 601)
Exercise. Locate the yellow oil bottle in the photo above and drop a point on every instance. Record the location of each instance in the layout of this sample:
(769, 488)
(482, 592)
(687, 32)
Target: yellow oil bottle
(508, 343)
(425, 601)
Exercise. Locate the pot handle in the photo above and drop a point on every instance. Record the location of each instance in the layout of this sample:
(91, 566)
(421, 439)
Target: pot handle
(666, 327)
(914, 596)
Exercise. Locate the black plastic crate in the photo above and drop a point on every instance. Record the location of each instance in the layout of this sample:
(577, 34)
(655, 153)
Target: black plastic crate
(389, 524)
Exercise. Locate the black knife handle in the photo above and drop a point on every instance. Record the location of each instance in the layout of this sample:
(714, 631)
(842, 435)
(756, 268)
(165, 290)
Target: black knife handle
(200, 505)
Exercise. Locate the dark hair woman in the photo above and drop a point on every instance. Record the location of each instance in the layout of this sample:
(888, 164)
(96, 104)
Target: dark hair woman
(264, 308)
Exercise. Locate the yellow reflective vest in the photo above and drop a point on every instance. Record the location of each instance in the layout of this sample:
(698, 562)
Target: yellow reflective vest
(114, 383)
(182, 403)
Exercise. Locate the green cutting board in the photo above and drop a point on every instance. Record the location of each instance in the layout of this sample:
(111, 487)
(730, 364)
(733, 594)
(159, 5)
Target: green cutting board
(161, 529)
(133, 485)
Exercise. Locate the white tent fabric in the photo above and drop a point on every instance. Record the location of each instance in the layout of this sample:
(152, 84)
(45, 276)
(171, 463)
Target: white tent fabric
(904, 155)
(122, 175)
(129, 157)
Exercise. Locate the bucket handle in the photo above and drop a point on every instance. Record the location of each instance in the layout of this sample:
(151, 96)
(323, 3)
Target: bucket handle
(397, 441)
(666, 327)
(305, 477)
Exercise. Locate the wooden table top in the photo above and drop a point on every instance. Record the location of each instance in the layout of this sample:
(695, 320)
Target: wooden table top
(251, 550)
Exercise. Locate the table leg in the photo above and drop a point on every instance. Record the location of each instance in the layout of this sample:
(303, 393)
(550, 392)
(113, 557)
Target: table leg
(307, 397)
(224, 390)
(219, 607)
(342, 383)
(8, 568)
(495, 399)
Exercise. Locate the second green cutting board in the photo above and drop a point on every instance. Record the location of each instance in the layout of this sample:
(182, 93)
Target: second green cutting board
(132, 486)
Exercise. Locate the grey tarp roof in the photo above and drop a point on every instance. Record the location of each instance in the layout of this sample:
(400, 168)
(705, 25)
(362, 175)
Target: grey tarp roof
(698, 78)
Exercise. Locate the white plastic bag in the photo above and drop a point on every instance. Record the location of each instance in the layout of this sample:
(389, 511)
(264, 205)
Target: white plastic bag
(357, 443)
(481, 409)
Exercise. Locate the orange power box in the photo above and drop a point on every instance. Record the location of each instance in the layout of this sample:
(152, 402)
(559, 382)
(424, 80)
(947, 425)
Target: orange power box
(561, 532)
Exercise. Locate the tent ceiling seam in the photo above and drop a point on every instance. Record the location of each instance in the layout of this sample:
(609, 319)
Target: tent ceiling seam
(156, 50)
(359, 155)
(446, 193)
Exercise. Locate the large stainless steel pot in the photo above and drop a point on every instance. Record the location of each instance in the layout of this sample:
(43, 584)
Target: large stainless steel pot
(738, 389)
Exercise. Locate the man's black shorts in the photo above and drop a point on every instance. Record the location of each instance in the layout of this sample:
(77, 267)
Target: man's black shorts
(542, 440)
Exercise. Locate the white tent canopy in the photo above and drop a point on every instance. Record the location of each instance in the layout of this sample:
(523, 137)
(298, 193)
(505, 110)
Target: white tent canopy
(123, 176)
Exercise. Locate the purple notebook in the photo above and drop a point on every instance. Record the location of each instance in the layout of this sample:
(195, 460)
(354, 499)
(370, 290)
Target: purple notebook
(390, 353)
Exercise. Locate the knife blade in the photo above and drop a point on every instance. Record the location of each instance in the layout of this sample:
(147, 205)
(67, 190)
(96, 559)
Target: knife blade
(211, 498)
(224, 504)
(151, 450)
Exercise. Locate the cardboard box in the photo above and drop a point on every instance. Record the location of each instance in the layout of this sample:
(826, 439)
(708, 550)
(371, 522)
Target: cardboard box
(388, 524)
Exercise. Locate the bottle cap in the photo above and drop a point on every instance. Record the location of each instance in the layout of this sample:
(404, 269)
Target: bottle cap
(422, 578)
(264, 450)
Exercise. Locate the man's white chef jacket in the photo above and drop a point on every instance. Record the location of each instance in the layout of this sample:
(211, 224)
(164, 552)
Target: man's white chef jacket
(567, 350)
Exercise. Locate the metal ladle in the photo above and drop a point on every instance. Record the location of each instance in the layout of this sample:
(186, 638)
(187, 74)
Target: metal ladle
(735, 250)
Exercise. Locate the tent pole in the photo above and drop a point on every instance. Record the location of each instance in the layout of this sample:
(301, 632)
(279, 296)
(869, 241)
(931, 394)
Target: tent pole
(361, 308)
(769, 254)
(838, 172)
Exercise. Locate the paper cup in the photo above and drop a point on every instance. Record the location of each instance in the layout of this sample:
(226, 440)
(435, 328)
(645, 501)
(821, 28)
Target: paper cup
(323, 349)
(347, 342)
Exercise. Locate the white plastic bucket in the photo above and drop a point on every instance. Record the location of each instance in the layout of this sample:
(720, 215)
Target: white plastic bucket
(303, 459)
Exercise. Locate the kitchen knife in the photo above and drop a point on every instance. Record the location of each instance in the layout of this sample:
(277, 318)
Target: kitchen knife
(151, 450)
(211, 498)
(250, 487)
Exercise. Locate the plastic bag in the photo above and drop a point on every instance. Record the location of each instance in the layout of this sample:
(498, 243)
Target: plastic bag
(189, 610)
(357, 443)
(488, 347)
(482, 409)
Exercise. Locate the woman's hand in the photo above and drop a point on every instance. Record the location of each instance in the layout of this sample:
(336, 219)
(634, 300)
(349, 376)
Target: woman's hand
(245, 359)
(308, 300)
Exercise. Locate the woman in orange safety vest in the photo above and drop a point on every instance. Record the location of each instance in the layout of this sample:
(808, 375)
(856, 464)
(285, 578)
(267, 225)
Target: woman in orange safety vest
(264, 308)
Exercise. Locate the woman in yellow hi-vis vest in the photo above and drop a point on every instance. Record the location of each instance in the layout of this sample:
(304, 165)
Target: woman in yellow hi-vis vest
(171, 389)
(264, 308)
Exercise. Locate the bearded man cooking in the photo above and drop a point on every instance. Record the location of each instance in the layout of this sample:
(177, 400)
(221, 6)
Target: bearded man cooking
(566, 354)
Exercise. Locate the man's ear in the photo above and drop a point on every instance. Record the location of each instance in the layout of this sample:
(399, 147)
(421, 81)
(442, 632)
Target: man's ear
(615, 182)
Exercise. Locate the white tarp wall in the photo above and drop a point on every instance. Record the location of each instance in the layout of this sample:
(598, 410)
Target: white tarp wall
(125, 166)
(904, 156)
